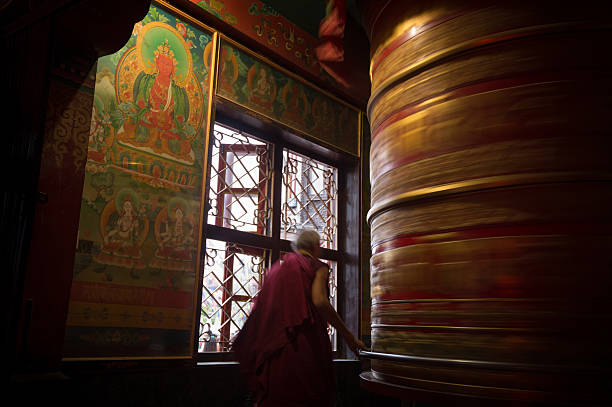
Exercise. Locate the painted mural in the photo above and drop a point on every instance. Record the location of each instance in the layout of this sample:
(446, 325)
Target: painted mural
(246, 80)
(134, 275)
(268, 27)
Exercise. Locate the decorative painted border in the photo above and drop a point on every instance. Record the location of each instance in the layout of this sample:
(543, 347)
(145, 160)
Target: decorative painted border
(351, 146)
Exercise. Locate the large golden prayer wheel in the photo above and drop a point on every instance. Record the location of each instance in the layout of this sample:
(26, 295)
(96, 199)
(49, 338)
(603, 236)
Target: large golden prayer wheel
(491, 216)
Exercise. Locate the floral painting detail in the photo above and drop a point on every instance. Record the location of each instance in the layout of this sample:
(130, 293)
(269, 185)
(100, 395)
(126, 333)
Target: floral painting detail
(262, 9)
(218, 9)
(140, 209)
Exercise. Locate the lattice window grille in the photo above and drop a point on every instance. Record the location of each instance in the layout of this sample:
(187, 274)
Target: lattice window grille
(231, 279)
(309, 198)
(240, 174)
(333, 298)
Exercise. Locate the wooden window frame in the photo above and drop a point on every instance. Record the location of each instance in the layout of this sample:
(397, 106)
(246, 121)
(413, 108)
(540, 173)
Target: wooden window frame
(347, 166)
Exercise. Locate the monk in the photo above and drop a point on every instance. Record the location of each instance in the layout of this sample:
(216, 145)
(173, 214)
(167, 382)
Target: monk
(283, 349)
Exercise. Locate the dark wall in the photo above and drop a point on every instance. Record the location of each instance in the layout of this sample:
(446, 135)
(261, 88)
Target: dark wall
(121, 384)
(38, 35)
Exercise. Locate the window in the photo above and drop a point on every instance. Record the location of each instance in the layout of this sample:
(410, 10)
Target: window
(309, 198)
(261, 194)
(240, 171)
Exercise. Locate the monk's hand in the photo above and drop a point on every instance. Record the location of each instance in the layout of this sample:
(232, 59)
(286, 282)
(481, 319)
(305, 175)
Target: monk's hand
(355, 345)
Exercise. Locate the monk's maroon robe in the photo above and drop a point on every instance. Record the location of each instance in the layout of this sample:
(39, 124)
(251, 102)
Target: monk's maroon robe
(283, 349)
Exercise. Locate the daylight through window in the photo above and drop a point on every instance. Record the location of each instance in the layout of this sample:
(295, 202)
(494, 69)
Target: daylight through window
(240, 241)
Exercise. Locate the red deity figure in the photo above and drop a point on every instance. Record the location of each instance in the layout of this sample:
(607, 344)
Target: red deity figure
(163, 125)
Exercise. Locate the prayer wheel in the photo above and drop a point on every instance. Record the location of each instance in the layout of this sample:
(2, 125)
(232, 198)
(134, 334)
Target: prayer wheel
(491, 225)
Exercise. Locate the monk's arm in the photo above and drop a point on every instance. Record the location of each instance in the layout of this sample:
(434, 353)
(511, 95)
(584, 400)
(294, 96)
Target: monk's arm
(320, 300)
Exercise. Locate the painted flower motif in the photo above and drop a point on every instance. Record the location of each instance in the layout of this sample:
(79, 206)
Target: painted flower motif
(141, 103)
(137, 28)
(180, 118)
(181, 28)
(190, 44)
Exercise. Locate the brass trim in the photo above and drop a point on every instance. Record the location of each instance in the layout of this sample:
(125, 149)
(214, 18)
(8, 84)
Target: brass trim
(359, 136)
(530, 394)
(417, 300)
(436, 57)
(457, 328)
(182, 14)
(360, 254)
(485, 364)
(212, 80)
(482, 184)
(373, 376)
(373, 23)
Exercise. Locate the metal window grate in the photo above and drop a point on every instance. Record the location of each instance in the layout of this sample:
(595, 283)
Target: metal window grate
(333, 298)
(232, 277)
(240, 174)
(240, 194)
(309, 198)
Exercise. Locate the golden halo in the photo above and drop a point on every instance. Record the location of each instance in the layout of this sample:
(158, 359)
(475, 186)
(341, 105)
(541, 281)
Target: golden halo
(150, 37)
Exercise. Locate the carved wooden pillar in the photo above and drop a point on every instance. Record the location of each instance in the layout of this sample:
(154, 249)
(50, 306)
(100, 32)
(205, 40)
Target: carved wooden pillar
(491, 195)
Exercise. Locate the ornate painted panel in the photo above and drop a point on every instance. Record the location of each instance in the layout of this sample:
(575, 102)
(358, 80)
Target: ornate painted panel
(258, 86)
(269, 28)
(136, 257)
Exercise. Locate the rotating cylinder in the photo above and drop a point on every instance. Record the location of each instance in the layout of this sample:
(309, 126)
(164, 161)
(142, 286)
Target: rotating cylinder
(491, 219)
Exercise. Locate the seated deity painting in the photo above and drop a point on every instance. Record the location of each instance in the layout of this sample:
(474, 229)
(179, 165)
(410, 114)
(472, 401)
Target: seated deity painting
(261, 85)
(160, 99)
(145, 150)
(136, 257)
(124, 227)
(175, 227)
